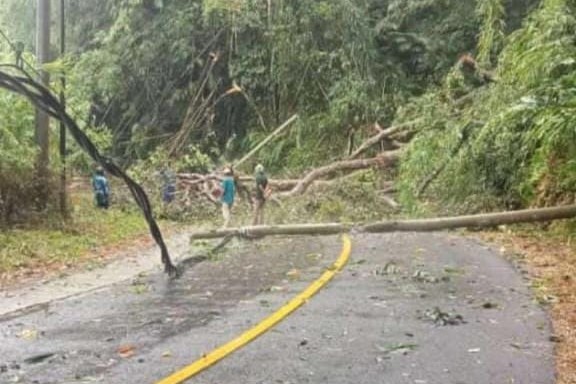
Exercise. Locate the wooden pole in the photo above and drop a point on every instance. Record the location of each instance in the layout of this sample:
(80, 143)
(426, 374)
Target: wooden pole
(63, 194)
(42, 118)
(272, 136)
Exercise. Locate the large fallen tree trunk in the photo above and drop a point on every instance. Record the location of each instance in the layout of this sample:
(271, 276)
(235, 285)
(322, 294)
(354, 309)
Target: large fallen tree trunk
(269, 230)
(386, 159)
(282, 185)
(426, 225)
(278, 185)
(475, 221)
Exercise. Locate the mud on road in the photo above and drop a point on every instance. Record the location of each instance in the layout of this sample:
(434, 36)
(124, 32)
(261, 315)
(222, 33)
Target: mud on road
(409, 308)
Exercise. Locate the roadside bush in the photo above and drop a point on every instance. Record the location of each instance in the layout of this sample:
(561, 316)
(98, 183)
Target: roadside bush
(19, 189)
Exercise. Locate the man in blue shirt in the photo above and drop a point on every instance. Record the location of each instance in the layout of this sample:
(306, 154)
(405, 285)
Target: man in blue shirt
(101, 189)
(228, 192)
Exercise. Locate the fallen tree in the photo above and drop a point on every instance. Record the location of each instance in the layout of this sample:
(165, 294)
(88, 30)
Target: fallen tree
(387, 159)
(423, 225)
(474, 221)
(271, 230)
(388, 133)
(283, 185)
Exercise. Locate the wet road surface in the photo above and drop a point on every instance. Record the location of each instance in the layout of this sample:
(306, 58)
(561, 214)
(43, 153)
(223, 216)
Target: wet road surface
(409, 308)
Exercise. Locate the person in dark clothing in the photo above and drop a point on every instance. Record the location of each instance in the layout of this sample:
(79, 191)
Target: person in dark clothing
(168, 186)
(101, 189)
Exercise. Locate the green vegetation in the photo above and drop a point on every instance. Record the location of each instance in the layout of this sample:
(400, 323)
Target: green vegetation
(510, 143)
(192, 84)
(51, 244)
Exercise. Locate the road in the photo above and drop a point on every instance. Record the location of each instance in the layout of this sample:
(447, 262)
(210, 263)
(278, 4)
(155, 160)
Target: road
(408, 308)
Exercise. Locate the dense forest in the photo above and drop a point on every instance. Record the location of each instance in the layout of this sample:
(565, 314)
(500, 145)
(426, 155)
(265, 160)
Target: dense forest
(486, 89)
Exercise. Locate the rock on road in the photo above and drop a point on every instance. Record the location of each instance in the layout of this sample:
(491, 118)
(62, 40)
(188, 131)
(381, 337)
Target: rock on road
(408, 308)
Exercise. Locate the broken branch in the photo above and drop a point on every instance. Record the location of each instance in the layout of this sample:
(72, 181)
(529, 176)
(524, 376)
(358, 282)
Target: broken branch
(383, 134)
(272, 136)
(385, 160)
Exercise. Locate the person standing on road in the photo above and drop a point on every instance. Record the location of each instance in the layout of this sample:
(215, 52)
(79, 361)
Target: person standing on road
(228, 193)
(101, 189)
(262, 193)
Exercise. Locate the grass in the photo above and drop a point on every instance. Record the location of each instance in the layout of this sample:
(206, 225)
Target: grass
(53, 244)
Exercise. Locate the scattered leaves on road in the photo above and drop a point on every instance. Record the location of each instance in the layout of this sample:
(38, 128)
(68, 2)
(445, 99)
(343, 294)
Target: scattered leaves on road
(126, 351)
(29, 334)
(439, 317)
(293, 274)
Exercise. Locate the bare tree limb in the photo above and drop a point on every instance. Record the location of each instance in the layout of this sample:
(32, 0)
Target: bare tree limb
(385, 160)
(383, 134)
(272, 136)
(390, 201)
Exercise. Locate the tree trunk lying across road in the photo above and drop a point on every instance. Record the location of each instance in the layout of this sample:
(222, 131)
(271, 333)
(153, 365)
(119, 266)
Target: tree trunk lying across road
(472, 221)
(268, 230)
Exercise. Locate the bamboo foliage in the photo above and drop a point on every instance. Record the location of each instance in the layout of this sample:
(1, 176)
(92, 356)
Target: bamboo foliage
(491, 37)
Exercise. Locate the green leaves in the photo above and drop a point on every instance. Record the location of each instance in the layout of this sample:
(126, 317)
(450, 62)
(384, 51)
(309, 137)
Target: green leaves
(521, 151)
(491, 37)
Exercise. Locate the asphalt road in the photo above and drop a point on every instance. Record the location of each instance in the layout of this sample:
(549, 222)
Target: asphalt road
(409, 308)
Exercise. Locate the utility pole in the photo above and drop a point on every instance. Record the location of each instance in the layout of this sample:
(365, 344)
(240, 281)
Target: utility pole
(63, 194)
(42, 119)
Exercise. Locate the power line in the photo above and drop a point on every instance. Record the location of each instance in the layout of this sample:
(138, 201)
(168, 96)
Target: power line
(44, 99)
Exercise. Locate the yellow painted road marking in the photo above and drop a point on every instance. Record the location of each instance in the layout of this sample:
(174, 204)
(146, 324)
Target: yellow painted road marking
(266, 324)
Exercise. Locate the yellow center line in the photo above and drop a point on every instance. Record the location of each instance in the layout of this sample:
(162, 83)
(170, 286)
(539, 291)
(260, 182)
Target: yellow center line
(221, 352)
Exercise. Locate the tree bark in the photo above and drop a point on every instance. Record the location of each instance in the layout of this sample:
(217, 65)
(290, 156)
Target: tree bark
(474, 221)
(42, 118)
(385, 160)
(426, 225)
(271, 230)
(283, 185)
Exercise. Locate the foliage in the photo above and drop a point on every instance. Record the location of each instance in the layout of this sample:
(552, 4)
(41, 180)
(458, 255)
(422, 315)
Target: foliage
(492, 14)
(18, 189)
(192, 83)
(521, 147)
(161, 72)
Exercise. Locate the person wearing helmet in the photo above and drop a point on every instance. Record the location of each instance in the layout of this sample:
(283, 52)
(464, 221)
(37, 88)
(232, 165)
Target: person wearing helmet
(101, 189)
(262, 193)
